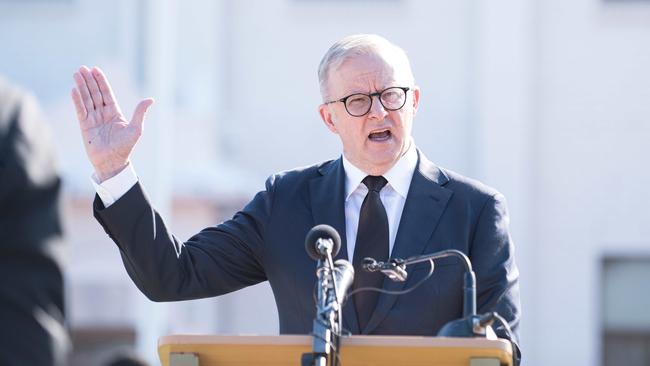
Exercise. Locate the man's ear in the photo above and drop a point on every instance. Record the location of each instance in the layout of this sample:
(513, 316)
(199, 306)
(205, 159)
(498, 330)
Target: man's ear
(328, 117)
(416, 99)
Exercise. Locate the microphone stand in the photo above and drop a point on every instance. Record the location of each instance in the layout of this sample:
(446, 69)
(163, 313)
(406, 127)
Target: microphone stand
(327, 323)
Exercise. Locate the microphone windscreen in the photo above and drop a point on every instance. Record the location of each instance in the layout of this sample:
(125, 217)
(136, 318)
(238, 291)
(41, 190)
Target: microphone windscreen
(344, 277)
(343, 264)
(321, 232)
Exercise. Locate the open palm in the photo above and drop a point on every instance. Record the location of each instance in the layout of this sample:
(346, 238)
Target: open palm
(108, 137)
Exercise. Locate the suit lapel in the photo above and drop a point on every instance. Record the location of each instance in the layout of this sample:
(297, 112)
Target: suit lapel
(425, 203)
(328, 207)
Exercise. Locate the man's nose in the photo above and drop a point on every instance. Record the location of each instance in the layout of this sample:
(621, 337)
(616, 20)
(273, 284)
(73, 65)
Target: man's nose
(377, 109)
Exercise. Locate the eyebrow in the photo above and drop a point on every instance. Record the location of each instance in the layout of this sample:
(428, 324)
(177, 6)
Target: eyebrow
(391, 85)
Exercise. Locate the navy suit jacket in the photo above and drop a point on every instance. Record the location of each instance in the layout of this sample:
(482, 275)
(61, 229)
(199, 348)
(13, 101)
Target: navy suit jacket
(265, 241)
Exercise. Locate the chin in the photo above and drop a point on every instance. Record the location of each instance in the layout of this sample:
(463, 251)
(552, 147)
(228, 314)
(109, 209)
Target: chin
(388, 156)
(383, 164)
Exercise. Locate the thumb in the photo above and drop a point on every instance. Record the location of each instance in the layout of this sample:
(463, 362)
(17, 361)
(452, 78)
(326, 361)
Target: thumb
(140, 110)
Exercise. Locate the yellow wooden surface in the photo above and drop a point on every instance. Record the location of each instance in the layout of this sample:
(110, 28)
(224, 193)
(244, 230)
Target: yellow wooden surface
(355, 350)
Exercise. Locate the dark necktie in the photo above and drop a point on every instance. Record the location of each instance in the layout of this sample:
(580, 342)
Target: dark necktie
(372, 241)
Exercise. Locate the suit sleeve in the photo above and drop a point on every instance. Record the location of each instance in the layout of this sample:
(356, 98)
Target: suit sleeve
(492, 255)
(215, 261)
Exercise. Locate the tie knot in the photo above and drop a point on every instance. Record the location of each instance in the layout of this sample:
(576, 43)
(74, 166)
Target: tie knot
(374, 182)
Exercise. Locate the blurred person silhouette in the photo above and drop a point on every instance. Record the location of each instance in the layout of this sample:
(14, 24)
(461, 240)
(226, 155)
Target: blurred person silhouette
(383, 196)
(32, 330)
(126, 359)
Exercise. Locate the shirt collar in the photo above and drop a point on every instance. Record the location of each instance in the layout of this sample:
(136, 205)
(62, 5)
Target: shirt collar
(398, 177)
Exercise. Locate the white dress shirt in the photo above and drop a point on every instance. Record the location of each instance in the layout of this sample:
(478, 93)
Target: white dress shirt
(114, 188)
(393, 195)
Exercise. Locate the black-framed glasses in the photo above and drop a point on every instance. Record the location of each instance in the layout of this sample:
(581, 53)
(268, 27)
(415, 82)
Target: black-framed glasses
(359, 104)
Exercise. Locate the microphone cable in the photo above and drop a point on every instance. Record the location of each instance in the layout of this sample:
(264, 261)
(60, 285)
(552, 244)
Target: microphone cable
(516, 356)
(503, 322)
(388, 292)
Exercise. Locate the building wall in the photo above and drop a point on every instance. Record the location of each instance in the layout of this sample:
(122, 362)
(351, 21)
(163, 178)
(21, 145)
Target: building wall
(592, 188)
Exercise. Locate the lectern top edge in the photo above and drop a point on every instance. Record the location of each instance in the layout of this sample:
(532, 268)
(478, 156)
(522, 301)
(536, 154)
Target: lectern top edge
(357, 340)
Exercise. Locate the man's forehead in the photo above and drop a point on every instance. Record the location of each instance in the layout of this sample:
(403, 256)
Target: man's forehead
(364, 73)
(365, 80)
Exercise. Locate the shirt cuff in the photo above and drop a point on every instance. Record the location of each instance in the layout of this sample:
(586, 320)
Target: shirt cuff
(115, 187)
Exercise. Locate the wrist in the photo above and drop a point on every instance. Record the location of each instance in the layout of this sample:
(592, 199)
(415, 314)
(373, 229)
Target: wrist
(104, 173)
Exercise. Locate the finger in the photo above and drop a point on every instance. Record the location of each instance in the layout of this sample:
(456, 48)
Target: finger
(83, 90)
(137, 121)
(95, 94)
(78, 105)
(104, 86)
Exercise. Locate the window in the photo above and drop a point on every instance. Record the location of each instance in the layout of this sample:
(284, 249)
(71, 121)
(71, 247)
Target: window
(626, 311)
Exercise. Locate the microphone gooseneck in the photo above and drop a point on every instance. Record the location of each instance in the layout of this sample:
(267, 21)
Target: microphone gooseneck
(343, 277)
(395, 269)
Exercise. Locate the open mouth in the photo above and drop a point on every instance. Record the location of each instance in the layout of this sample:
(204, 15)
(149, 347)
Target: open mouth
(379, 135)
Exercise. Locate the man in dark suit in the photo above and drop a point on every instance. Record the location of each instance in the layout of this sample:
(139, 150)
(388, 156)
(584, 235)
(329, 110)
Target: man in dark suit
(32, 328)
(383, 195)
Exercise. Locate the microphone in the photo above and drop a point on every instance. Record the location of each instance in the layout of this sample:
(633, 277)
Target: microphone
(471, 324)
(394, 268)
(322, 240)
(343, 276)
(371, 264)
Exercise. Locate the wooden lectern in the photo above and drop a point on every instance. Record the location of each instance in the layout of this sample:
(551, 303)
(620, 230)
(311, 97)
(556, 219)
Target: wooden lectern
(206, 350)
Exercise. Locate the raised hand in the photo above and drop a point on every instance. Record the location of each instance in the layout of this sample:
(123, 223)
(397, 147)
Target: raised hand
(108, 137)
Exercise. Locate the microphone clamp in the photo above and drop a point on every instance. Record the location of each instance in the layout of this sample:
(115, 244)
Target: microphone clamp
(395, 269)
(324, 247)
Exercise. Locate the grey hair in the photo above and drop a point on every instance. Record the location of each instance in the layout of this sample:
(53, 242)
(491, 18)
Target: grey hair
(357, 45)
